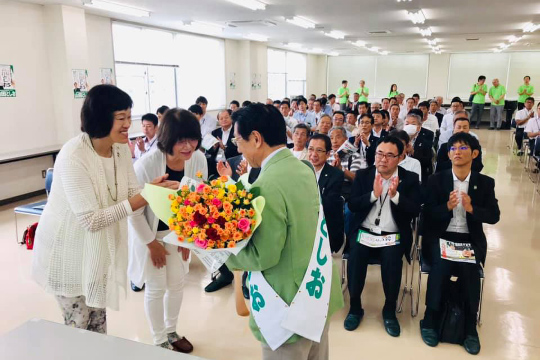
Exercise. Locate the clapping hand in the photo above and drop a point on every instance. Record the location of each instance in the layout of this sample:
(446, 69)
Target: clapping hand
(241, 169)
(466, 201)
(378, 186)
(140, 143)
(224, 169)
(392, 189)
(453, 200)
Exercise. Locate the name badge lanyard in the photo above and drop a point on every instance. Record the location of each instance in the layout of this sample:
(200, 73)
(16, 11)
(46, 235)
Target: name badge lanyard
(378, 219)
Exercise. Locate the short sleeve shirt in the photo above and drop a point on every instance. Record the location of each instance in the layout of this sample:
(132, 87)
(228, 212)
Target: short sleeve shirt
(343, 91)
(528, 88)
(497, 92)
(362, 97)
(479, 98)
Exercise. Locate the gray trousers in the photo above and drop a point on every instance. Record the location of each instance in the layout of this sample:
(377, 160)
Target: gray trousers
(477, 110)
(303, 349)
(495, 115)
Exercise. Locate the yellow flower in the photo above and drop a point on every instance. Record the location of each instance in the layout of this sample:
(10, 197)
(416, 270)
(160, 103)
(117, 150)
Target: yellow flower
(199, 174)
(246, 202)
(237, 202)
(189, 209)
(232, 188)
(195, 230)
(220, 194)
(250, 196)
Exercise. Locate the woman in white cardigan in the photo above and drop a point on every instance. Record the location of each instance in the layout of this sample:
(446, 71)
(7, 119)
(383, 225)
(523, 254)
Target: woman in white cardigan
(159, 266)
(80, 252)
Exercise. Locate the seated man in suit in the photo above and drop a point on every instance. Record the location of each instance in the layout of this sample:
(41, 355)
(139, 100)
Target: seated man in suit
(225, 148)
(461, 124)
(422, 143)
(378, 122)
(458, 202)
(330, 182)
(385, 198)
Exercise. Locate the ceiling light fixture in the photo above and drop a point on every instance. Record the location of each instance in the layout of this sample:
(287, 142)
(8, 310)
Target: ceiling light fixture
(256, 37)
(317, 50)
(300, 21)
(373, 48)
(530, 27)
(250, 4)
(514, 39)
(416, 16)
(431, 41)
(204, 27)
(333, 53)
(383, 53)
(504, 46)
(117, 8)
(359, 43)
(404, 0)
(425, 31)
(335, 34)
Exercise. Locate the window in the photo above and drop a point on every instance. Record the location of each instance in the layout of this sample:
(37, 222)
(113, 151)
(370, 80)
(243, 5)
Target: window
(286, 74)
(164, 68)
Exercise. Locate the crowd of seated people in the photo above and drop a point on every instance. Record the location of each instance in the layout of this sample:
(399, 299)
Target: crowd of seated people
(376, 165)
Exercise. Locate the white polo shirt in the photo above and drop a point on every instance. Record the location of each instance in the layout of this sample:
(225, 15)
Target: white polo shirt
(522, 115)
(533, 125)
(431, 123)
(208, 124)
(447, 122)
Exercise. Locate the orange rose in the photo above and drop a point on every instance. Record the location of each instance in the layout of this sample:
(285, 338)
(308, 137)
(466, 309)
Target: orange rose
(231, 244)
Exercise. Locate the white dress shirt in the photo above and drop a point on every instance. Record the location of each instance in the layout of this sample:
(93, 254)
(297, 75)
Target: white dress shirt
(226, 135)
(458, 223)
(413, 165)
(533, 125)
(447, 122)
(267, 159)
(208, 124)
(387, 222)
(318, 172)
(431, 123)
(522, 115)
(149, 144)
(445, 136)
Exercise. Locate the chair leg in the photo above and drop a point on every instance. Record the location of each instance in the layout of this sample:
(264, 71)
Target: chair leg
(418, 291)
(343, 271)
(405, 290)
(16, 229)
(411, 288)
(479, 320)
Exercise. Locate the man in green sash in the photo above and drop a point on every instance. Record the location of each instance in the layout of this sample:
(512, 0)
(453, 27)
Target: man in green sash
(281, 247)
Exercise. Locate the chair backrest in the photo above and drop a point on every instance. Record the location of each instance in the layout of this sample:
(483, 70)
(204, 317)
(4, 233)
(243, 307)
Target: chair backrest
(536, 151)
(48, 180)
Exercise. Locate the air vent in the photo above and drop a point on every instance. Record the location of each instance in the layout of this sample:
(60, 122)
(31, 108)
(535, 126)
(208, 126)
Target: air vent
(472, 39)
(250, 23)
(379, 32)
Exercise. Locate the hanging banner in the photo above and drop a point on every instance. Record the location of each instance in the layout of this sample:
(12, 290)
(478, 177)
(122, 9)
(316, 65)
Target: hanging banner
(80, 83)
(106, 76)
(7, 84)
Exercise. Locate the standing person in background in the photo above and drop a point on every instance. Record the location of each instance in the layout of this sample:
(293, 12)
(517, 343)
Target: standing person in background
(526, 90)
(343, 95)
(161, 111)
(208, 122)
(234, 105)
(393, 91)
(363, 91)
(496, 94)
(197, 111)
(479, 90)
(81, 247)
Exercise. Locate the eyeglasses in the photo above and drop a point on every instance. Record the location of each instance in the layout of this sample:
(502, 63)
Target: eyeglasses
(318, 151)
(187, 141)
(388, 156)
(461, 148)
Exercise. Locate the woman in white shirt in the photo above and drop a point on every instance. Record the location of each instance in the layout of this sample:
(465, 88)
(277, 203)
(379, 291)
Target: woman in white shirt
(151, 262)
(80, 254)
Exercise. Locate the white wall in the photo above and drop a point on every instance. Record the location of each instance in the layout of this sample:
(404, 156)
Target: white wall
(316, 74)
(438, 75)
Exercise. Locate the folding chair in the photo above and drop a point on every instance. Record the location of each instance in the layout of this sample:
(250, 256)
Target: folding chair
(36, 208)
(534, 158)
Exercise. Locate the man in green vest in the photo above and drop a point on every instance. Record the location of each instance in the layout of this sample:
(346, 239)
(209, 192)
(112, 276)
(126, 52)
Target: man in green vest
(281, 247)
(526, 90)
(343, 95)
(496, 94)
(479, 90)
(363, 91)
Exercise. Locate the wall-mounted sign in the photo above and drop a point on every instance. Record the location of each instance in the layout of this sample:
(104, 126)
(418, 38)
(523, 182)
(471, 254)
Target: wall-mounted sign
(7, 84)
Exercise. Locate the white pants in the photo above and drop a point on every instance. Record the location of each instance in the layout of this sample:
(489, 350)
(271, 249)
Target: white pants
(163, 294)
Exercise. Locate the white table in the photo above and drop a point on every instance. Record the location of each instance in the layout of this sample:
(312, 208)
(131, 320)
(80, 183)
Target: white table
(45, 340)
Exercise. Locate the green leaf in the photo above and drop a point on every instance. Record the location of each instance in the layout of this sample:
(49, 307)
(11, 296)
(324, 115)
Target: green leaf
(239, 186)
(256, 191)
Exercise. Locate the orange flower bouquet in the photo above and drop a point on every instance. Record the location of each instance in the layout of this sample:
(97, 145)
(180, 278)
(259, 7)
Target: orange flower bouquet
(214, 219)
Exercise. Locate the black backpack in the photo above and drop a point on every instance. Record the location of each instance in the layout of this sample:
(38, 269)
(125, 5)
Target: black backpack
(452, 325)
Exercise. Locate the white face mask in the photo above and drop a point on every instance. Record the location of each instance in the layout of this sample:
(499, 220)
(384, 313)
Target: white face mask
(410, 129)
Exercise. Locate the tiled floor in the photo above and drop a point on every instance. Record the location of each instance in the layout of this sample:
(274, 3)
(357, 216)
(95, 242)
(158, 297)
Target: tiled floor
(511, 312)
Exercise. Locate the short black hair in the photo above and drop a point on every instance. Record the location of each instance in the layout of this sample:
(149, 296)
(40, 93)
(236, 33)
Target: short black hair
(150, 117)
(529, 98)
(393, 97)
(424, 104)
(369, 116)
(464, 138)
(481, 77)
(246, 103)
(392, 140)
(385, 114)
(302, 126)
(376, 112)
(201, 100)
(384, 99)
(391, 106)
(234, 102)
(343, 82)
(325, 138)
(456, 99)
(161, 110)
(323, 101)
(351, 112)
(286, 99)
(417, 112)
(277, 102)
(363, 103)
(411, 98)
(302, 99)
(526, 76)
(100, 104)
(339, 112)
(331, 96)
(415, 95)
(461, 118)
(319, 101)
(401, 135)
(196, 109)
(285, 103)
(178, 124)
(265, 119)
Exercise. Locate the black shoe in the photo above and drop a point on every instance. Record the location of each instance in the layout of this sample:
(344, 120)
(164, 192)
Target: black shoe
(429, 336)
(135, 288)
(218, 283)
(498, 129)
(352, 321)
(392, 327)
(477, 127)
(491, 128)
(472, 344)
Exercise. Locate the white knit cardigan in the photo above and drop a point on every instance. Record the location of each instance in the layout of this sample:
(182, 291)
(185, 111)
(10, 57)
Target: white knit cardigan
(143, 224)
(81, 241)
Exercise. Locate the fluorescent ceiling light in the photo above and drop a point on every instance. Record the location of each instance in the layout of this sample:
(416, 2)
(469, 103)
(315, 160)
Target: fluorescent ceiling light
(416, 16)
(514, 39)
(359, 43)
(250, 4)
(383, 52)
(256, 37)
(373, 48)
(504, 46)
(438, 52)
(431, 41)
(530, 27)
(204, 27)
(425, 31)
(335, 34)
(117, 8)
(333, 53)
(317, 50)
(299, 21)
(404, 0)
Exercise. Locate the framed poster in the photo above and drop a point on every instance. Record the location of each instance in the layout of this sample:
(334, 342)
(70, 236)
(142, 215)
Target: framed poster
(80, 83)
(7, 84)
(106, 76)
(232, 80)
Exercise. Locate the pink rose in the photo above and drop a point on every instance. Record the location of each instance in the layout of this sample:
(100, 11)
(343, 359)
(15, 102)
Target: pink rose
(244, 225)
(201, 243)
(211, 220)
(216, 202)
(186, 202)
(192, 223)
(200, 188)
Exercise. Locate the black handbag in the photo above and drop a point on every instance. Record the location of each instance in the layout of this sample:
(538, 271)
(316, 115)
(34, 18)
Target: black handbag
(452, 325)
